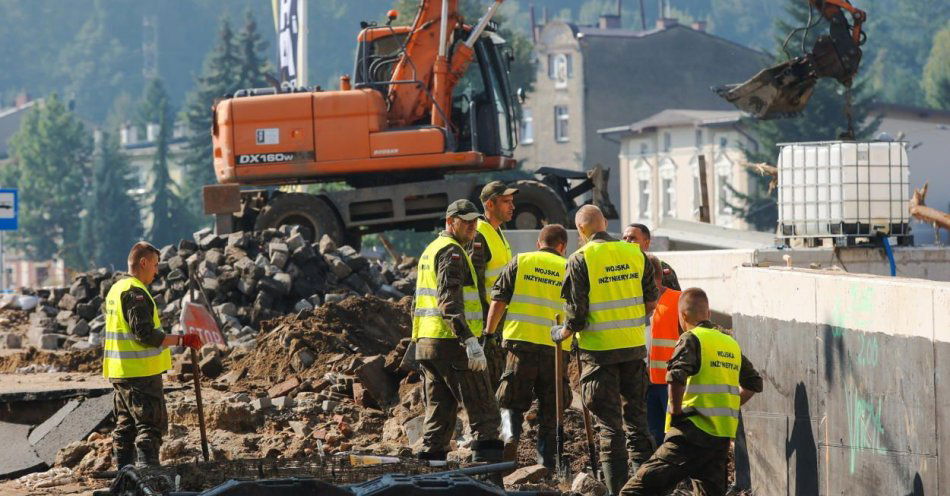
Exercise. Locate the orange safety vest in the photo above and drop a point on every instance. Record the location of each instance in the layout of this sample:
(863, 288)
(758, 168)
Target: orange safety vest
(666, 332)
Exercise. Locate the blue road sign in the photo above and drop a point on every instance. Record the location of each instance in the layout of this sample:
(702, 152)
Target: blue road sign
(9, 209)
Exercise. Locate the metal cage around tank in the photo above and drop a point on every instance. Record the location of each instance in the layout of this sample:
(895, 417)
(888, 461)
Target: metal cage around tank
(846, 191)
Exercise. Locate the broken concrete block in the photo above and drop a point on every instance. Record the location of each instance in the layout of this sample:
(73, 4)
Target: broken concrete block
(211, 366)
(50, 341)
(526, 475)
(303, 305)
(72, 422)
(282, 402)
(301, 429)
(261, 403)
(414, 428)
(11, 341)
(284, 388)
(78, 328)
(68, 302)
(302, 360)
(338, 266)
(327, 245)
(378, 383)
(285, 281)
(588, 485)
(17, 457)
(334, 297)
(329, 405)
(70, 455)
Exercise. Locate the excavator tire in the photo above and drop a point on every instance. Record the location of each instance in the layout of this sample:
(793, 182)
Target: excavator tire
(301, 209)
(537, 205)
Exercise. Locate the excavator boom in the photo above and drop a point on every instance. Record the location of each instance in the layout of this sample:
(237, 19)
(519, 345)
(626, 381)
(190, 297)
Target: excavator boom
(784, 89)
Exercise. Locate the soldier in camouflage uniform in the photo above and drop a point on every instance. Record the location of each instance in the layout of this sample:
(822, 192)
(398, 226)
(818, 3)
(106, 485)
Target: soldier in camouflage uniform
(610, 292)
(447, 322)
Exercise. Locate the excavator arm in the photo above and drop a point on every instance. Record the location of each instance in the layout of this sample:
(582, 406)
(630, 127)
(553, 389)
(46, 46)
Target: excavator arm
(784, 89)
(426, 74)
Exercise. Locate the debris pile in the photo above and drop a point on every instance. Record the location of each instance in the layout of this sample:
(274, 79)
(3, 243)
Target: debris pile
(247, 278)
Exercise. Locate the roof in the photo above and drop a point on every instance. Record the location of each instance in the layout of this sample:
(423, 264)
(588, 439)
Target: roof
(10, 122)
(919, 112)
(678, 117)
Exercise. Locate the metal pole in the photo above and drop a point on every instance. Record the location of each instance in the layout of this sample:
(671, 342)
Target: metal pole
(302, 44)
(703, 191)
(443, 28)
(196, 373)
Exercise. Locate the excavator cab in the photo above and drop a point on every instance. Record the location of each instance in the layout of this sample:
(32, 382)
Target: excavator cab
(483, 113)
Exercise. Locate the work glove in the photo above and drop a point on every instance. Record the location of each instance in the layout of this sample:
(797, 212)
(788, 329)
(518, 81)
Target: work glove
(475, 354)
(559, 333)
(192, 341)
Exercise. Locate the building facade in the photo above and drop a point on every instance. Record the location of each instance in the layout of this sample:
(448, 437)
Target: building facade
(659, 174)
(595, 77)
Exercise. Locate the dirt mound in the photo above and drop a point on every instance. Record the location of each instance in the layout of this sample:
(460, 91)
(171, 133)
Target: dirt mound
(329, 338)
(71, 361)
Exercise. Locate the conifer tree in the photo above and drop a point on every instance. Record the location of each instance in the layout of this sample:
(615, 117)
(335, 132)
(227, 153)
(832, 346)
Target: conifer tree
(112, 219)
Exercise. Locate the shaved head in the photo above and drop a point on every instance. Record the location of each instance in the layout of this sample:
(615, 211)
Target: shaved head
(693, 307)
(590, 219)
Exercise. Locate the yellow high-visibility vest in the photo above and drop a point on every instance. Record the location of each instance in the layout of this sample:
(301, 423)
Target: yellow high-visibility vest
(536, 299)
(616, 315)
(711, 401)
(500, 252)
(123, 356)
(427, 318)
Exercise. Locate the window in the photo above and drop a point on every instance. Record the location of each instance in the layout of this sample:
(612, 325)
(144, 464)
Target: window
(724, 181)
(723, 142)
(644, 190)
(561, 118)
(560, 68)
(699, 138)
(668, 189)
(644, 148)
(667, 142)
(527, 127)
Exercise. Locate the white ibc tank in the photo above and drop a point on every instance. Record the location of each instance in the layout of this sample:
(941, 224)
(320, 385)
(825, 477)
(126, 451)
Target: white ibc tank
(843, 188)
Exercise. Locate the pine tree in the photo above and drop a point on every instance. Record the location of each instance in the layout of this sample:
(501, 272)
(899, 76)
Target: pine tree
(936, 80)
(170, 218)
(221, 77)
(823, 119)
(233, 64)
(50, 163)
(112, 222)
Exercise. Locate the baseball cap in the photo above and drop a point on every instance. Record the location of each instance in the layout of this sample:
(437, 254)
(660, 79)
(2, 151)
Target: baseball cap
(495, 188)
(463, 209)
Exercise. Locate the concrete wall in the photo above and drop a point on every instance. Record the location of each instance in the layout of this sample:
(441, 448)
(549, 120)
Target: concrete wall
(715, 270)
(855, 372)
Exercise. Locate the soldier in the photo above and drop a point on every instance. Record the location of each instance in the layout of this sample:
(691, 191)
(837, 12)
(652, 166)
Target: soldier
(134, 357)
(490, 253)
(664, 332)
(709, 379)
(640, 234)
(610, 291)
(446, 325)
(529, 287)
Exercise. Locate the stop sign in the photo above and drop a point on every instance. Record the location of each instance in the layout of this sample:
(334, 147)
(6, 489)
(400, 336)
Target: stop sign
(196, 319)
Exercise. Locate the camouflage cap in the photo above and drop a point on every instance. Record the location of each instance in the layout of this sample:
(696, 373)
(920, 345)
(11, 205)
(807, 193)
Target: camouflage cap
(495, 188)
(462, 209)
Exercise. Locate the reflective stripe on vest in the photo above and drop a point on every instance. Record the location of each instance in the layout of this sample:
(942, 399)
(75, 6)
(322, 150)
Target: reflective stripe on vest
(427, 319)
(665, 331)
(617, 316)
(123, 356)
(536, 299)
(500, 252)
(711, 401)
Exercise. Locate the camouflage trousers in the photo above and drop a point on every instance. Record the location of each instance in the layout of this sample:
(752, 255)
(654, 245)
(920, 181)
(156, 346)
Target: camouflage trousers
(495, 354)
(448, 384)
(677, 459)
(141, 418)
(615, 394)
(528, 376)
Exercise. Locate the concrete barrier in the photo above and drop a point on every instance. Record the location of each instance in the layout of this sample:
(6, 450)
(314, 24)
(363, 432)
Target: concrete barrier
(856, 389)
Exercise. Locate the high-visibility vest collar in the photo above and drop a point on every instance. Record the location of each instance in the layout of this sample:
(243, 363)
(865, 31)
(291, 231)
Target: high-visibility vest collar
(123, 356)
(427, 319)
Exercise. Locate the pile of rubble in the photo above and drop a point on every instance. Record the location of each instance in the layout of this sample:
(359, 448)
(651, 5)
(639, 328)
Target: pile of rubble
(247, 278)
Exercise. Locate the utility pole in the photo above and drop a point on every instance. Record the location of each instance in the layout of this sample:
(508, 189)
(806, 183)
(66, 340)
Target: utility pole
(703, 191)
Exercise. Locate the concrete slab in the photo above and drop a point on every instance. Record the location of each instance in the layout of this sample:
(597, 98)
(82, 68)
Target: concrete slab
(42, 430)
(17, 456)
(74, 426)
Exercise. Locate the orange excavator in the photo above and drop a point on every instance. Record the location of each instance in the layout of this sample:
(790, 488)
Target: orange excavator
(426, 102)
(784, 89)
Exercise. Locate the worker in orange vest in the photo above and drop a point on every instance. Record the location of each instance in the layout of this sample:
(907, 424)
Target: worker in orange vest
(665, 331)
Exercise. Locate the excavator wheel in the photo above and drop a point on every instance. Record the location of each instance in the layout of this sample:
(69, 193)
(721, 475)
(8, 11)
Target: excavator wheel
(301, 209)
(537, 205)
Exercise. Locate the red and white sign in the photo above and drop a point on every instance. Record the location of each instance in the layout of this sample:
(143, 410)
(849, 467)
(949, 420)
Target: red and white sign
(196, 319)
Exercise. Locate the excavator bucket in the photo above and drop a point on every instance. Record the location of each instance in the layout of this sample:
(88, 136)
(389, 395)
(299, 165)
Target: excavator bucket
(778, 91)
